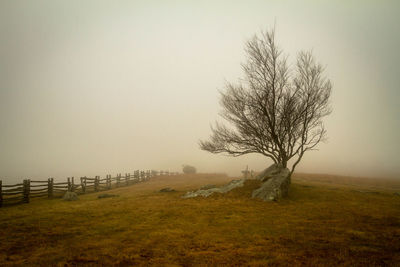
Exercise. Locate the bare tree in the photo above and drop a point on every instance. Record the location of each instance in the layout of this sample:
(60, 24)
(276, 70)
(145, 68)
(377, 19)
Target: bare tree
(274, 110)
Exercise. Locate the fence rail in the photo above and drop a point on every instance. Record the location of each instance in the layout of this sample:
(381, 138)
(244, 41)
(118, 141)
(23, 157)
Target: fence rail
(23, 192)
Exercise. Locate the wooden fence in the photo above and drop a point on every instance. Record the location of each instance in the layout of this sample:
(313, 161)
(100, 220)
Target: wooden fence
(28, 189)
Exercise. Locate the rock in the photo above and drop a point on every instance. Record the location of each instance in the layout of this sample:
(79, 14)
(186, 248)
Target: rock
(70, 196)
(269, 172)
(276, 181)
(232, 185)
(164, 190)
(223, 189)
(396, 193)
(106, 195)
(203, 193)
(207, 186)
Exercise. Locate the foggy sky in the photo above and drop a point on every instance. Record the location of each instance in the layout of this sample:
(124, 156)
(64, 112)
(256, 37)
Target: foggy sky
(98, 87)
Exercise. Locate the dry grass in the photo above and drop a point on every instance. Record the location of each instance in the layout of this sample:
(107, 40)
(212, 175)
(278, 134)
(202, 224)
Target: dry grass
(318, 225)
(358, 183)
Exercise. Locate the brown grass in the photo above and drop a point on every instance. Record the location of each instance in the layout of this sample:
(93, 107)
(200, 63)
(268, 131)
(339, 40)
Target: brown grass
(318, 225)
(358, 183)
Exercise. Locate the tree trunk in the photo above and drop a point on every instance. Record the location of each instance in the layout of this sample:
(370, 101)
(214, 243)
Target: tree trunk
(284, 163)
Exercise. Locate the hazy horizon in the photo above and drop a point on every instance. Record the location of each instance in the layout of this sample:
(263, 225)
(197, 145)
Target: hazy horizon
(98, 87)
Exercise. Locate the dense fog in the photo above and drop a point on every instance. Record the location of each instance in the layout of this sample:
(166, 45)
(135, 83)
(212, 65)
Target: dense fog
(97, 87)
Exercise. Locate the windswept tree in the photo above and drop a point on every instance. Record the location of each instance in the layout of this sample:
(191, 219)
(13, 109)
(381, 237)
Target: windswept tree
(275, 110)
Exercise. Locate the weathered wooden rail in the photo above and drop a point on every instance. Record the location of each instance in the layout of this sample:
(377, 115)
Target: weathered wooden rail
(28, 189)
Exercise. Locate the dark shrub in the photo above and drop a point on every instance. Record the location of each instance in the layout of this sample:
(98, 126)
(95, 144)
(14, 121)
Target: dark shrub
(188, 169)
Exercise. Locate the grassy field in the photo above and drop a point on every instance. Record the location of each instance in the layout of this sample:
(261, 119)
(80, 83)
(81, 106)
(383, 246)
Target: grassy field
(325, 221)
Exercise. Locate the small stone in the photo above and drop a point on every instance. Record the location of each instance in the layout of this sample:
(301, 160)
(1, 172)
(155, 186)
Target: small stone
(167, 189)
(106, 195)
(70, 196)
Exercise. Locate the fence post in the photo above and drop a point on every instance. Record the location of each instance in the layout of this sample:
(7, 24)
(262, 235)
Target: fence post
(83, 184)
(126, 179)
(109, 181)
(72, 184)
(69, 184)
(118, 179)
(50, 187)
(1, 193)
(96, 183)
(27, 185)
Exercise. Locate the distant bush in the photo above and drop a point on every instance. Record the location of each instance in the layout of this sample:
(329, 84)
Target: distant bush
(189, 169)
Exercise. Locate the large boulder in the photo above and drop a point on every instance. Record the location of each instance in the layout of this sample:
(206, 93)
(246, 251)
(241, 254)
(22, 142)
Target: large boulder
(276, 181)
(269, 172)
(70, 196)
(223, 189)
